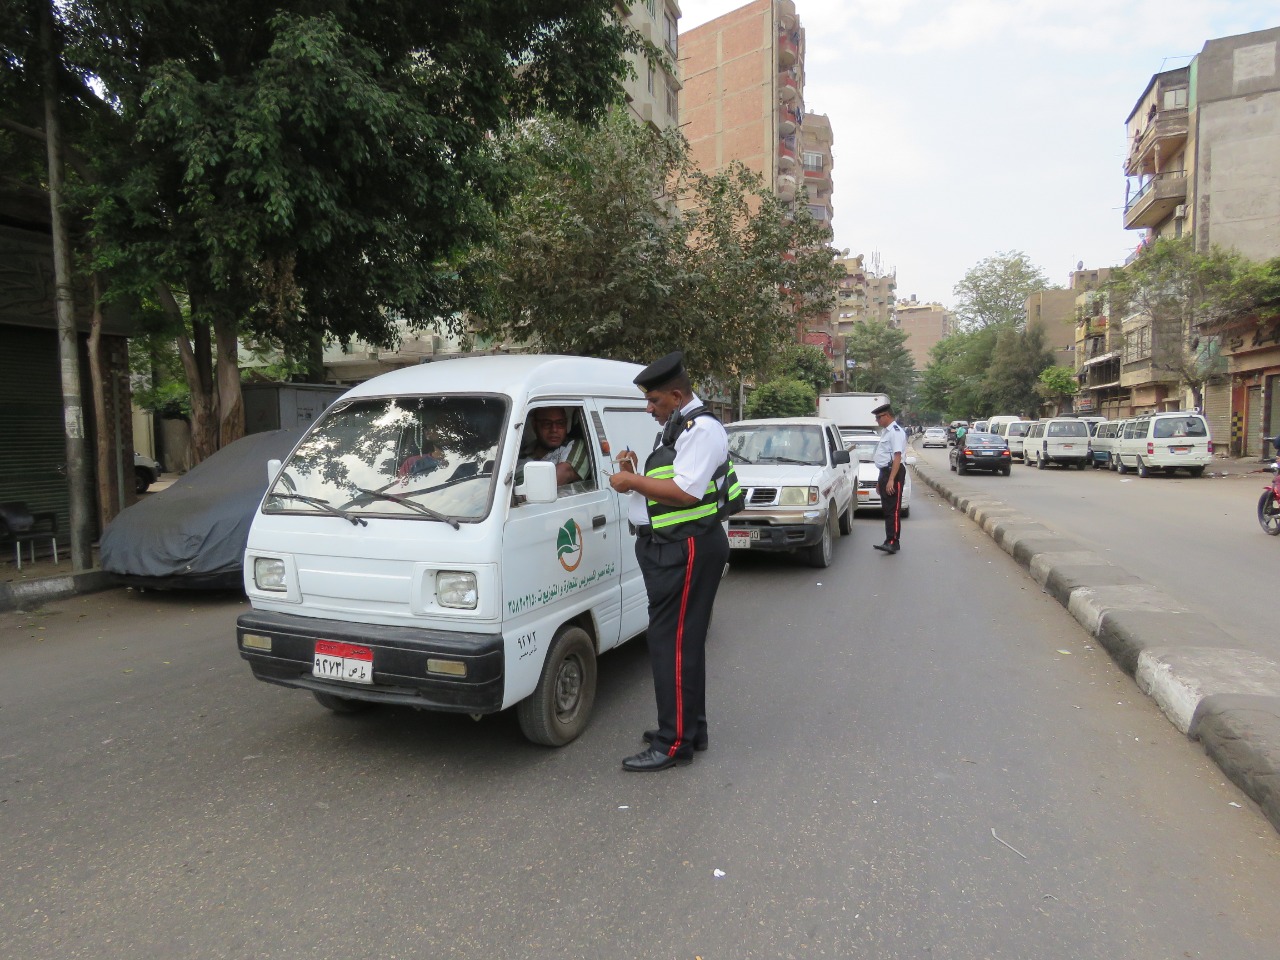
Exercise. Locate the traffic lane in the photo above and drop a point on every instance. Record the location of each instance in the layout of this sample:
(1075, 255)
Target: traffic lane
(1197, 539)
(860, 757)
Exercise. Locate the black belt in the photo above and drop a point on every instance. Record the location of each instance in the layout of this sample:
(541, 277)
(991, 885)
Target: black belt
(641, 529)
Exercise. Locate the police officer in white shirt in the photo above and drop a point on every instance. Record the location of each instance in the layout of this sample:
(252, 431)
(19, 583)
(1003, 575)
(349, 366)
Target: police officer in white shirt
(889, 459)
(675, 507)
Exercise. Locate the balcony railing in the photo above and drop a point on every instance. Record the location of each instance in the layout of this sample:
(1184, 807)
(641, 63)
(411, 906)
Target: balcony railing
(1155, 200)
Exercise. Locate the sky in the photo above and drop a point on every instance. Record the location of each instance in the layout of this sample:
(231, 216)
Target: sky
(968, 128)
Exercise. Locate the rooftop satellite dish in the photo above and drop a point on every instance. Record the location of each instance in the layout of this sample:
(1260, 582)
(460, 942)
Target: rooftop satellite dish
(1079, 264)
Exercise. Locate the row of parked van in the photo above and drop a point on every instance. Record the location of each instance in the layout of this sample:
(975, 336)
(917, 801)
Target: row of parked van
(1154, 442)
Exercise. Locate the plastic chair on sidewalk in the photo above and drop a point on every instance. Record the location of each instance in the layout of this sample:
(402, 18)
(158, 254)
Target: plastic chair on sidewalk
(19, 525)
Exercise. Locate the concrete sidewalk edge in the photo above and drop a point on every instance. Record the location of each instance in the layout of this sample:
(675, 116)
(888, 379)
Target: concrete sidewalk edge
(1212, 690)
(31, 593)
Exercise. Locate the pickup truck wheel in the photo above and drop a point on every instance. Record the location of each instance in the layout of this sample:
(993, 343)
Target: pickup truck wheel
(846, 522)
(821, 552)
(338, 704)
(560, 705)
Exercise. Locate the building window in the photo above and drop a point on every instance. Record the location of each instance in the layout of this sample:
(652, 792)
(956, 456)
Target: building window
(673, 102)
(671, 32)
(1173, 99)
(651, 75)
(653, 8)
(813, 161)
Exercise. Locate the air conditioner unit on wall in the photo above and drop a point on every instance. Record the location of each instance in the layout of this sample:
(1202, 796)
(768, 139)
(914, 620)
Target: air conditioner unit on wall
(1180, 212)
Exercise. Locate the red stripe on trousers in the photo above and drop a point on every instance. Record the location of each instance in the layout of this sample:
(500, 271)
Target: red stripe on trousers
(684, 603)
(897, 512)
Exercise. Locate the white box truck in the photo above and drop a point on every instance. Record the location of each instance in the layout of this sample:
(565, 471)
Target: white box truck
(851, 411)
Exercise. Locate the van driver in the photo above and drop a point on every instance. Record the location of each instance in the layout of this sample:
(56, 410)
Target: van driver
(551, 430)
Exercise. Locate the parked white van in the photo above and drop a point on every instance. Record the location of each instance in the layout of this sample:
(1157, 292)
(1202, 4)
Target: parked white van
(1062, 440)
(1165, 441)
(1102, 447)
(1016, 433)
(998, 424)
(409, 552)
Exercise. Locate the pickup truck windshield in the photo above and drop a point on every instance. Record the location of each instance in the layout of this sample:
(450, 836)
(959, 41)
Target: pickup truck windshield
(427, 458)
(777, 443)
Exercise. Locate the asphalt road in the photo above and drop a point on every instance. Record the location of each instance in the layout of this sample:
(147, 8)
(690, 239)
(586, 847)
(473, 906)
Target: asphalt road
(1197, 539)
(911, 756)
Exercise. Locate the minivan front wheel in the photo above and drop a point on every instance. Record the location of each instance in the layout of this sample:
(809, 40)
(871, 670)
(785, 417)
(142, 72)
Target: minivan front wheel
(558, 709)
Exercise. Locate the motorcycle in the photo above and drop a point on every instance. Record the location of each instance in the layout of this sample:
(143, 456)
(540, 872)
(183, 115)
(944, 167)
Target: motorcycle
(1269, 502)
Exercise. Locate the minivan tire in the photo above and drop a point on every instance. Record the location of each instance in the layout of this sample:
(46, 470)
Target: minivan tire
(558, 709)
(1039, 462)
(1143, 470)
(1120, 467)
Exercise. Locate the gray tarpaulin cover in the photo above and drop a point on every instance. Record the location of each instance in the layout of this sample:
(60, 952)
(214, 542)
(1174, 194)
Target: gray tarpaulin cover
(194, 533)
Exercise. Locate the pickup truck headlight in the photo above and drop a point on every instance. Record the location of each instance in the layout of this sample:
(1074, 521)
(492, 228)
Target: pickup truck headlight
(797, 496)
(456, 589)
(269, 574)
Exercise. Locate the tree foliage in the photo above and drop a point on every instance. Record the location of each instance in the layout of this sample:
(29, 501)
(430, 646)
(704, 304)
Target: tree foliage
(302, 169)
(1018, 361)
(882, 362)
(593, 257)
(1058, 382)
(782, 398)
(995, 291)
(804, 362)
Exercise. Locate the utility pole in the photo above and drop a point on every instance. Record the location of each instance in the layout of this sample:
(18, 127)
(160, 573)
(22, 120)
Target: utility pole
(64, 306)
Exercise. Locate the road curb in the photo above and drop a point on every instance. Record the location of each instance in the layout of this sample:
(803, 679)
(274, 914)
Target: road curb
(1210, 688)
(25, 595)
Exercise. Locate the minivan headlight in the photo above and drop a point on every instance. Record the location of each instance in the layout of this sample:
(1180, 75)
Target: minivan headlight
(269, 574)
(456, 589)
(797, 496)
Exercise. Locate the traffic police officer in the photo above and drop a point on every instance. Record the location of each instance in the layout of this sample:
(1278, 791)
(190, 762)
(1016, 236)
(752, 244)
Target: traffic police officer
(675, 508)
(889, 453)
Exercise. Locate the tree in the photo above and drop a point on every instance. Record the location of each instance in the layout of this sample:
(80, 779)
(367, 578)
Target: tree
(955, 381)
(305, 170)
(1058, 382)
(1172, 299)
(782, 398)
(882, 362)
(1018, 362)
(594, 258)
(995, 291)
(804, 362)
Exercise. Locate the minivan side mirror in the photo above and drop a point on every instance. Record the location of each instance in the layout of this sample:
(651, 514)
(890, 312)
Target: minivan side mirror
(273, 471)
(539, 482)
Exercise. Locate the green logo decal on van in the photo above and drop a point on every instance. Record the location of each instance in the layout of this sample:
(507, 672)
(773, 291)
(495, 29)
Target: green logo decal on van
(569, 546)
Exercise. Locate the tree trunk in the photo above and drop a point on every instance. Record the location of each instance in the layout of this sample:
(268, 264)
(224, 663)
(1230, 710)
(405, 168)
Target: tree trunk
(108, 499)
(81, 519)
(204, 434)
(230, 398)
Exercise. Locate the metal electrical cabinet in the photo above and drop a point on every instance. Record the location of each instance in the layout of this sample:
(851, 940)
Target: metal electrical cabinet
(276, 406)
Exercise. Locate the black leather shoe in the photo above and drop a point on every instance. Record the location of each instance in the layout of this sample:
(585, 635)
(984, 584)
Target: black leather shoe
(650, 735)
(887, 547)
(652, 759)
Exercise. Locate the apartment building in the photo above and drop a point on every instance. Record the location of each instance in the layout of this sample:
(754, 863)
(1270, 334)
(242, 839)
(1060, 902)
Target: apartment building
(653, 94)
(924, 324)
(1203, 146)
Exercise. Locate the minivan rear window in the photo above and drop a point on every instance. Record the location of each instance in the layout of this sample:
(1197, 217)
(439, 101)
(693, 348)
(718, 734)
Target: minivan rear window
(1166, 427)
(1018, 428)
(1070, 428)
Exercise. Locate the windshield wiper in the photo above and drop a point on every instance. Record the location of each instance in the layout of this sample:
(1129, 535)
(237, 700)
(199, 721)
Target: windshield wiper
(739, 457)
(379, 495)
(803, 463)
(323, 505)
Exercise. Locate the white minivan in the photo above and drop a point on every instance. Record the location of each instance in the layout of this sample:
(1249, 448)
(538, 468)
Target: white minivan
(408, 552)
(1061, 440)
(1164, 441)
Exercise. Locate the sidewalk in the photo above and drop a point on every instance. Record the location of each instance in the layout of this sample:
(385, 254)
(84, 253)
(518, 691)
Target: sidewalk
(1210, 688)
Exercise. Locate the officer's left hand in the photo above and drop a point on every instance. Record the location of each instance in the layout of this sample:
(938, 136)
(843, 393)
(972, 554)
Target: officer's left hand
(622, 482)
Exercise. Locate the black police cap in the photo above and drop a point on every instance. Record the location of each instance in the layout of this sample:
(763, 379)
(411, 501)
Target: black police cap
(660, 371)
(883, 408)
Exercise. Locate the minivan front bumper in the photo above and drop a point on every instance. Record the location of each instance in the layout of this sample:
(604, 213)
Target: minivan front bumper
(400, 655)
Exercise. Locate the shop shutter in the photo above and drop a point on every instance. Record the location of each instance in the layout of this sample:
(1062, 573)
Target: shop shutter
(1253, 423)
(33, 456)
(1217, 410)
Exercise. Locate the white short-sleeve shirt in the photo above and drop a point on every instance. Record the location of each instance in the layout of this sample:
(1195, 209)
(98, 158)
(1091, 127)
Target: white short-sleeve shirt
(892, 440)
(700, 451)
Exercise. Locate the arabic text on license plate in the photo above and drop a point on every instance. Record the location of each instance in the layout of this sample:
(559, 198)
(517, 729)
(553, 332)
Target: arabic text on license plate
(1179, 449)
(335, 660)
(986, 453)
(741, 539)
(1067, 446)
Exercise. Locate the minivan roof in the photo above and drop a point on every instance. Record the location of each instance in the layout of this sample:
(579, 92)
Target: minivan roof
(513, 375)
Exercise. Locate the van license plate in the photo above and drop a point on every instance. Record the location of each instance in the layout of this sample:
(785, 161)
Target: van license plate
(349, 662)
(1180, 449)
(741, 539)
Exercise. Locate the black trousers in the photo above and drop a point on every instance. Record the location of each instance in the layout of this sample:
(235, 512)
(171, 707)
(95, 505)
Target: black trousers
(681, 580)
(891, 503)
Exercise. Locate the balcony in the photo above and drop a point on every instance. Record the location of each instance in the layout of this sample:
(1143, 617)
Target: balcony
(1156, 201)
(1163, 136)
(786, 187)
(788, 48)
(788, 87)
(787, 154)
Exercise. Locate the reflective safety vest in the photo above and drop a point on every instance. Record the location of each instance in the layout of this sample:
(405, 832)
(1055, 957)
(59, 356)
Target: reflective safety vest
(722, 497)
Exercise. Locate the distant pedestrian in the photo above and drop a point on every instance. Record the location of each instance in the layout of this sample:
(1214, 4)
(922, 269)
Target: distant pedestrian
(888, 459)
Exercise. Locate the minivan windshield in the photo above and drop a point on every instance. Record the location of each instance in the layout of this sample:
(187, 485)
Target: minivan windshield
(1166, 427)
(776, 443)
(425, 458)
(1068, 428)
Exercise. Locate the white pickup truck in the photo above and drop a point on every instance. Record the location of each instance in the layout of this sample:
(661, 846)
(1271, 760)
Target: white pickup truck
(798, 483)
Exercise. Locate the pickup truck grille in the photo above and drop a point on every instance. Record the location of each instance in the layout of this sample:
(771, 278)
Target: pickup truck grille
(762, 496)
(867, 484)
